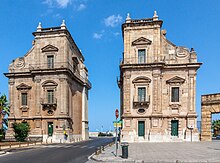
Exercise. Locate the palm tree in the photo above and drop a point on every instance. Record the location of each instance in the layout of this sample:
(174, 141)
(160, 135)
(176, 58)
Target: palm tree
(216, 127)
(4, 112)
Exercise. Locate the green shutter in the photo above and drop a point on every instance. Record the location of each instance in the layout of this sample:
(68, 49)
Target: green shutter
(141, 128)
(174, 128)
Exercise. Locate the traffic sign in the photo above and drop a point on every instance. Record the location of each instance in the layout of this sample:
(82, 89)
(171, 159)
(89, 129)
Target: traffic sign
(116, 113)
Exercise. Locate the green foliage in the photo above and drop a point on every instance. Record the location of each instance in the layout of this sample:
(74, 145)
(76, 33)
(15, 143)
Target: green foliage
(216, 126)
(21, 131)
(2, 134)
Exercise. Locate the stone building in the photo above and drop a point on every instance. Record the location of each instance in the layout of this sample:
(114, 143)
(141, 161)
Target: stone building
(48, 87)
(157, 85)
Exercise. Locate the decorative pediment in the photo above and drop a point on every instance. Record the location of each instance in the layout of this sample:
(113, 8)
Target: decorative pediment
(49, 83)
(49, 48)
(141, 41)
(176, 80)
(23, 86)
(141, 79)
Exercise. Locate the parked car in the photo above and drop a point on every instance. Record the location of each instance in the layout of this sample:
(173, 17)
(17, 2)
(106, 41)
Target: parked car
(218, 137)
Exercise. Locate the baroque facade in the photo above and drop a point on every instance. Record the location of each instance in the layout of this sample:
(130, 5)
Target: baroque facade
(48, 87)
(157, 85)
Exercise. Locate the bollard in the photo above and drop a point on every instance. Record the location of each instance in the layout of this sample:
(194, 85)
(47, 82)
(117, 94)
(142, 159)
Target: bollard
(51, 141)
(10, 145)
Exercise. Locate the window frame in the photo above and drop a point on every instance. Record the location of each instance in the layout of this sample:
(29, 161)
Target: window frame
(25, 102)
(141, 94)
(175, 99)
(50, 61)
(140, 58)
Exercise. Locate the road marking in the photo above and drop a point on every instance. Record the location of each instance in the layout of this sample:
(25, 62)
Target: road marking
(91, 147)
(83, 146)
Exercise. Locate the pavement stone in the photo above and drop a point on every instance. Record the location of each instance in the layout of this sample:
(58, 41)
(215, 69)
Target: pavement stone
(176, 152)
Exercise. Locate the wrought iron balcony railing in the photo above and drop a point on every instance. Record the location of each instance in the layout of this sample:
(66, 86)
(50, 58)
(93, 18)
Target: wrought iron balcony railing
(141, 102)
(59, 66)
(49, 103)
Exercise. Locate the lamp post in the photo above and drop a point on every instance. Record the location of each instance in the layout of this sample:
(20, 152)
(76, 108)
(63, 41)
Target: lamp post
(116, 142)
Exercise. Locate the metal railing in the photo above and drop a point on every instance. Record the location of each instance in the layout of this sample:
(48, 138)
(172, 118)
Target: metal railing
(136, 60)
(48, 101)
(59, 65)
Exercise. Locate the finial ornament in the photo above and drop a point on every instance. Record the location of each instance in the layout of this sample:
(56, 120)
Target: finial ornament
(39, 27)
(128, 18)
(63, 25)
(155, 17)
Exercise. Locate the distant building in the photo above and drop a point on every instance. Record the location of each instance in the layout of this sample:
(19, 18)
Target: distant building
(157, 85)
(48, 87)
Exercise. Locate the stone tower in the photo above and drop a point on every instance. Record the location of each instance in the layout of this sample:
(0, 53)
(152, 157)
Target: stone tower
(157, 85)
(48, 87)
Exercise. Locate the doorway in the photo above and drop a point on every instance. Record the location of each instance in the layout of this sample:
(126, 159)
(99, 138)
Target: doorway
(50, 128)
(141, 128)
(174, 127)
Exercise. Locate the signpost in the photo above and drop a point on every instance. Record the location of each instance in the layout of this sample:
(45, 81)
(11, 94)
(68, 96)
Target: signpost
(116, 142)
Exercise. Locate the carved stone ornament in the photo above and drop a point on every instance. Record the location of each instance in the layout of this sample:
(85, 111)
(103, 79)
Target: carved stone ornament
(20, 63)
(23, 86)
(49, 48)
(175, 80)
(181, 52)
(174, 106)
(141, 41)
(141, 79)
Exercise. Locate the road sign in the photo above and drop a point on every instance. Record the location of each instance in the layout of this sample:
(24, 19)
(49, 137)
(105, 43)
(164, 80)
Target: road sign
(117, 123)
(116, 113)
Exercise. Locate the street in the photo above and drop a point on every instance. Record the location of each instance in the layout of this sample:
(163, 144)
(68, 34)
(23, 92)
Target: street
(56, 153)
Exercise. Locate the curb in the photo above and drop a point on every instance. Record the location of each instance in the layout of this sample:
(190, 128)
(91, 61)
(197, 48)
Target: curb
(104, 147)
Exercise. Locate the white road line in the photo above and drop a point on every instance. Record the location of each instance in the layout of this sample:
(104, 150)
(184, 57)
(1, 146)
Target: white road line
(83, 146)
(91, 147)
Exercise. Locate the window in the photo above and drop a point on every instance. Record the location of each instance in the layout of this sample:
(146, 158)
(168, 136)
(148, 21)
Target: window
(50, 96)
(24, 99)
(50, 61)
(141, 94)
(141, 56)
(175, 94)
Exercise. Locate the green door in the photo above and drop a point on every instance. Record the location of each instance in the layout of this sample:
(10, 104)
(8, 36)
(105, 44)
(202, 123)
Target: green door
(50, 128)
(141, 128)
(174, 128)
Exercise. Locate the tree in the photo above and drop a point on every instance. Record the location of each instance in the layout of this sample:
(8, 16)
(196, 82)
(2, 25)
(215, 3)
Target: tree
(216, 127)
(21, 131)
(4, 113)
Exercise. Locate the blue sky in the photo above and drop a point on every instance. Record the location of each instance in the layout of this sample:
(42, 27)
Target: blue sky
(96, 28)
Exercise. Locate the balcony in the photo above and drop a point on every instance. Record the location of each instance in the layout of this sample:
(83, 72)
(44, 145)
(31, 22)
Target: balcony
(49, 104)
(147, 60)
(58, 66)
(137, 102)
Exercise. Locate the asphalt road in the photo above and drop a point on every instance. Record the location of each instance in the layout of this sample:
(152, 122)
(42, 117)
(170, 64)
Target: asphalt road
(56, 153)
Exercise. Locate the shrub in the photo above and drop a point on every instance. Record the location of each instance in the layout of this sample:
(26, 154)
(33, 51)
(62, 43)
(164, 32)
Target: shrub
(21, 131)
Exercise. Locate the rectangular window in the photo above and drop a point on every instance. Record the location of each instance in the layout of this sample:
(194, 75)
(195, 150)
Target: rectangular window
(24, 99)
(175, 94)
(50, 61)
(141, 94)
(141, 56)
(50, 96)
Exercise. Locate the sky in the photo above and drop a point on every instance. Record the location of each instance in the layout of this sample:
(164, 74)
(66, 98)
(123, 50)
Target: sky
(95, 25)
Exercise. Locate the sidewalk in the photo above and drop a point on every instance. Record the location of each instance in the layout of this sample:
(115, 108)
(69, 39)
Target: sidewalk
(163, 152)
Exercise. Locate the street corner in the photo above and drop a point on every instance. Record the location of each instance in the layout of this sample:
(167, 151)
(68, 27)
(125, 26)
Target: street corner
(108, 155)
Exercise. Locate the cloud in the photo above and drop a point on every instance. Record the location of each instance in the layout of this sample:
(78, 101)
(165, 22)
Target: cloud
(113, 20)
(63, 3)
(57, 3)
(97, 35)
(116, 33)
(81, 7)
